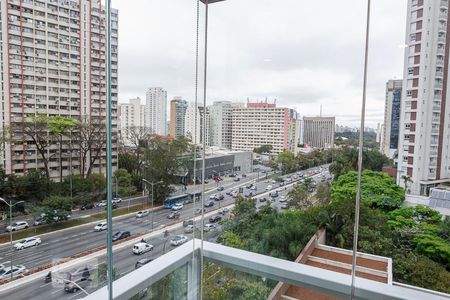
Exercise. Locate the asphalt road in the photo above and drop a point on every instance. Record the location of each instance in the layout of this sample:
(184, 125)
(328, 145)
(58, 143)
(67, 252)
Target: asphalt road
(65, 244)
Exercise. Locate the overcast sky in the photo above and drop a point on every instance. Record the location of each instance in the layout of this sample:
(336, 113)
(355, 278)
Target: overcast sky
(302, 53)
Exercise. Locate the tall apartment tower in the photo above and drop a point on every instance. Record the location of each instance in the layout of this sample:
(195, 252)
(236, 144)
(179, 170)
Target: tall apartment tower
(156, 110)
(390, 129)
(262, 123)
(220, 129)
(424, 137)
(178, 108)
(131, 114)
(53, 62)
(194, 120)
(319, 132)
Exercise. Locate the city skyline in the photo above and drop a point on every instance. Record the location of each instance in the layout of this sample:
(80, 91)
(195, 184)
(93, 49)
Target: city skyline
(256, 68)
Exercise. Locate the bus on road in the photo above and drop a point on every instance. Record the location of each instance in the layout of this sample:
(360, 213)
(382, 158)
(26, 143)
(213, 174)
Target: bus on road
(183, 198)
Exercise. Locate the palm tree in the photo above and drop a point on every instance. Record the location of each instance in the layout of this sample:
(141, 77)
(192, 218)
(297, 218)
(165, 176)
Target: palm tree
(333, 224)
(406, 180)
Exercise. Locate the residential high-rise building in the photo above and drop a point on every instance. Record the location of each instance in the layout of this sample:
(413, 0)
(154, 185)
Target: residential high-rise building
(220, 129)
(156, 110)
(53, 62)
(131, 115)
(259, 124)
(319, 132)
(178, 108)
(390, 127)
(424, 137)
(194, 121)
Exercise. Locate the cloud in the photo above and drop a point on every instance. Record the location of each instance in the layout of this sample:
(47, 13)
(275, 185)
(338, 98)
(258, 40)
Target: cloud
(304, 54)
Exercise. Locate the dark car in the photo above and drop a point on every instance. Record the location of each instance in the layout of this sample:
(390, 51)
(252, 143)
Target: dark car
(215, 219)
(249, 195)
(237, 179)
(219, 197)
(249, 186)
(244, 175)
(229, 193)
(263, 199)
(174, 215)
(220, 188)
(114, 206)
(74, 286)
(232, 175)
(188, 222)
(142, 262)
(209, 203)
(88, 206)
(119, 235)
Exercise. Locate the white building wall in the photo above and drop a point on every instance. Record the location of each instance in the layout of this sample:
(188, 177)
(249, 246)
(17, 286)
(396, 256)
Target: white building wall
(424, 133)
(156, 110)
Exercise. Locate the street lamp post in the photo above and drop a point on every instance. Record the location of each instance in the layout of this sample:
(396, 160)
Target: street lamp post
(152, 184)
(10, 204)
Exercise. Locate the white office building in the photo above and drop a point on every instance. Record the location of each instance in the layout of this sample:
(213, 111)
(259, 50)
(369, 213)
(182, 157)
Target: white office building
(424, 137)
(220, 128)
(156, 110)
(131, 115)
(389, 131)
(194, 122)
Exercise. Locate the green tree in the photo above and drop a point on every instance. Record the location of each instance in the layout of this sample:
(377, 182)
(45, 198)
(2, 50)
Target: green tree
(124, 182)
(56, 209)
(406, 180)
(164, 158)
(263, 149)
(377, 189)
(287, 162)
(347, 160)
(299, 198)
(323, 193)
(420, 271)
(59, 127)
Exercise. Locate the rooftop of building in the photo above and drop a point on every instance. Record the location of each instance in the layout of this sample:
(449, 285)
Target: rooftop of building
(319, 255)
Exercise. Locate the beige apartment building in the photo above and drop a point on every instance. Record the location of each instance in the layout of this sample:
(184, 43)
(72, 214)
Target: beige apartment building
(261, 123)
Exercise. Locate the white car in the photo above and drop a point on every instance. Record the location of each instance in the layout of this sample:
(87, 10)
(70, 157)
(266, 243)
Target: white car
(102, 203)
(209, 227)
(142, 213)
(17, 226)
(177, 206)
(101, 226)
(189, 229)
(15, 270)
(283, 199)
(269, 187)
(28, 242)
(224, 210)
(142, 247)
(213, 196)
(178, 240)
(2, 267)
(284, 206)
(117, 200)
(253, 188)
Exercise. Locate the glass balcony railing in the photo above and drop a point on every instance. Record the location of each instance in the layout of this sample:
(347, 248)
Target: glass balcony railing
(177, 273)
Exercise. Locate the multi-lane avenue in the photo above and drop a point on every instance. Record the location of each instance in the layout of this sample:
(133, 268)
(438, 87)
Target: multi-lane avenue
(67, 243)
